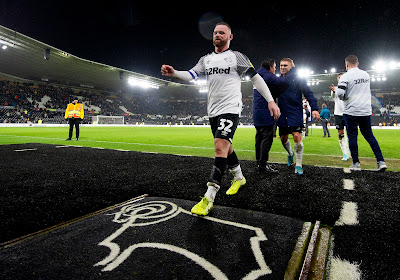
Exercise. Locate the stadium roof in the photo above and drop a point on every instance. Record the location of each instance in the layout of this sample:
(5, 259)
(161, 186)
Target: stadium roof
(27, 58)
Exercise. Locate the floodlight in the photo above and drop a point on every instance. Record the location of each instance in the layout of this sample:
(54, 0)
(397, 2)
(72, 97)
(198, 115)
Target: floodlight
(304, 72)
(333, 70)
(141, 83)
(4, 47)
(379, 66)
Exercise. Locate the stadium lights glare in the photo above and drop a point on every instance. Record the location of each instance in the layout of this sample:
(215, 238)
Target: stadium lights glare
(4, 47)
(379, 66)
(312, 82)
(333, 70)
(141, 83)
(378, 78)
(199, 82)
(203, 90)
(304, 72)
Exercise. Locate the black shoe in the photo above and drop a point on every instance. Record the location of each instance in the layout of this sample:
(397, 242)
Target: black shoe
(68, 139)
(267, 169)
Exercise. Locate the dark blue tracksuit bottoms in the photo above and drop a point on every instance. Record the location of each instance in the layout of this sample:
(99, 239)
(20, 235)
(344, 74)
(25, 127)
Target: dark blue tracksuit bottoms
(364, 123)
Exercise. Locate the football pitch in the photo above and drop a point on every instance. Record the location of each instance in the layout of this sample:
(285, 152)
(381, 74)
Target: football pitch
(197, 141)
(53, 193)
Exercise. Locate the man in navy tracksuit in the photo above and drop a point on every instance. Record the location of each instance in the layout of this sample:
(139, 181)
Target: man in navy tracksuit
(290, 103)
(263, 121)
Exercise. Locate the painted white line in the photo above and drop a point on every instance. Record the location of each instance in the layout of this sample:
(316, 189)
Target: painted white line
(348, 214)
(65, 146)
(348, 184)
(24, 150)
(171, 146)
(344, 270)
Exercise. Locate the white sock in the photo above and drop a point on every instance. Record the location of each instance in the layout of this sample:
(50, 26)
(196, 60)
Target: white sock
(298, 150)
(342, 143)
(288, 147)
(211, 191)
(237, 172)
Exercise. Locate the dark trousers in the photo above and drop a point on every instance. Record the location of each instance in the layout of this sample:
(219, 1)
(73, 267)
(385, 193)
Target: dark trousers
(74, 122)
(364, 123)
(264, 139)
(325, 127)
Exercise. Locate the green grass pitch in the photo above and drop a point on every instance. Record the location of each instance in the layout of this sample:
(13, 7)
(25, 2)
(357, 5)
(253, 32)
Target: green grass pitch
(198, 141)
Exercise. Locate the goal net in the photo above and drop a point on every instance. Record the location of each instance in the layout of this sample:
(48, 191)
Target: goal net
(107, 119)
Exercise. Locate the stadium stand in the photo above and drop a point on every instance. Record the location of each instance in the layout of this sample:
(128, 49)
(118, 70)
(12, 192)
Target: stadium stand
(31, 102)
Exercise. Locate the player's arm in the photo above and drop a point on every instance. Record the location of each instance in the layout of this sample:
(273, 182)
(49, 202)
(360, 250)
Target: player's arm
(263, 89)
(309, 95)
(342, 88)
(187, 76)
(333, 91)
(169, 71)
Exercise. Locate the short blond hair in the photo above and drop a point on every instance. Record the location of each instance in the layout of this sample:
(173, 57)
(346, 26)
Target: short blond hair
(287, 60)
(352, 59)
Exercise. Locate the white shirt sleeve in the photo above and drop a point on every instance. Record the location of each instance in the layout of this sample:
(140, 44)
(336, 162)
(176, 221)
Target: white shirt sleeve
(342, 88)
(262, 87)
(183, 75)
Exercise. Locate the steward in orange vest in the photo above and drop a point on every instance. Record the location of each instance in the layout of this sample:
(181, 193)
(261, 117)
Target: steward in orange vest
(74, 114)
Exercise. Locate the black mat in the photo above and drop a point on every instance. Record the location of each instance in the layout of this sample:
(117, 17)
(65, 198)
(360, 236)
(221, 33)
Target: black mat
(49, 185)
(158, 238)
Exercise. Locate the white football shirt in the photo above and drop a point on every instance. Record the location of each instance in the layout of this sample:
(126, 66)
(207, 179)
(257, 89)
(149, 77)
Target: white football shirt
(339, 104)
(354, 88)
(223, 72)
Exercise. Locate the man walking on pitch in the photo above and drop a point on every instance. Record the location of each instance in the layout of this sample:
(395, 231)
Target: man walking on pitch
(354, 89)
(339, 120)
(325, 116)
(291, 121)
(223, 69)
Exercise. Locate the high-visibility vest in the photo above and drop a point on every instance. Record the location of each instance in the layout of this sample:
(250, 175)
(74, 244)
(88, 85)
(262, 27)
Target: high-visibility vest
(74, 110)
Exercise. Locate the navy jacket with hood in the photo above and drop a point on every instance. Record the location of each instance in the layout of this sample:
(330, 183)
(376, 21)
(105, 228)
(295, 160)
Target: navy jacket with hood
(276, 85)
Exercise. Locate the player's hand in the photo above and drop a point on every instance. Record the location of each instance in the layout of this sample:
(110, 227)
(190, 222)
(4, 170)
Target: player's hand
(167, 70)
(274, 110)
(315, 115)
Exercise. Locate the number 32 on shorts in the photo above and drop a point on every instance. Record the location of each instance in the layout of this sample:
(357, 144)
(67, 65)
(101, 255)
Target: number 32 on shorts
(225, 126)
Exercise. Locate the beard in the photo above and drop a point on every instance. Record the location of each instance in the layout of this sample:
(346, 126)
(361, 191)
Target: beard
(219, 43)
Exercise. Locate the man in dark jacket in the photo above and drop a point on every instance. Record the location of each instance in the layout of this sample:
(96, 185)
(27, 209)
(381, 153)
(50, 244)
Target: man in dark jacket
(263, 122)
(291, 119)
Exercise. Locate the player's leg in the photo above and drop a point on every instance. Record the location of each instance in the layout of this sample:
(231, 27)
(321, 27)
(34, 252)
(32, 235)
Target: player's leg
(298, 149)
(284, 135)
(339, 120)
(224, 134)
(258, 141)
(352, 134)
(266, 139)
(223, 128)
(366, 131)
